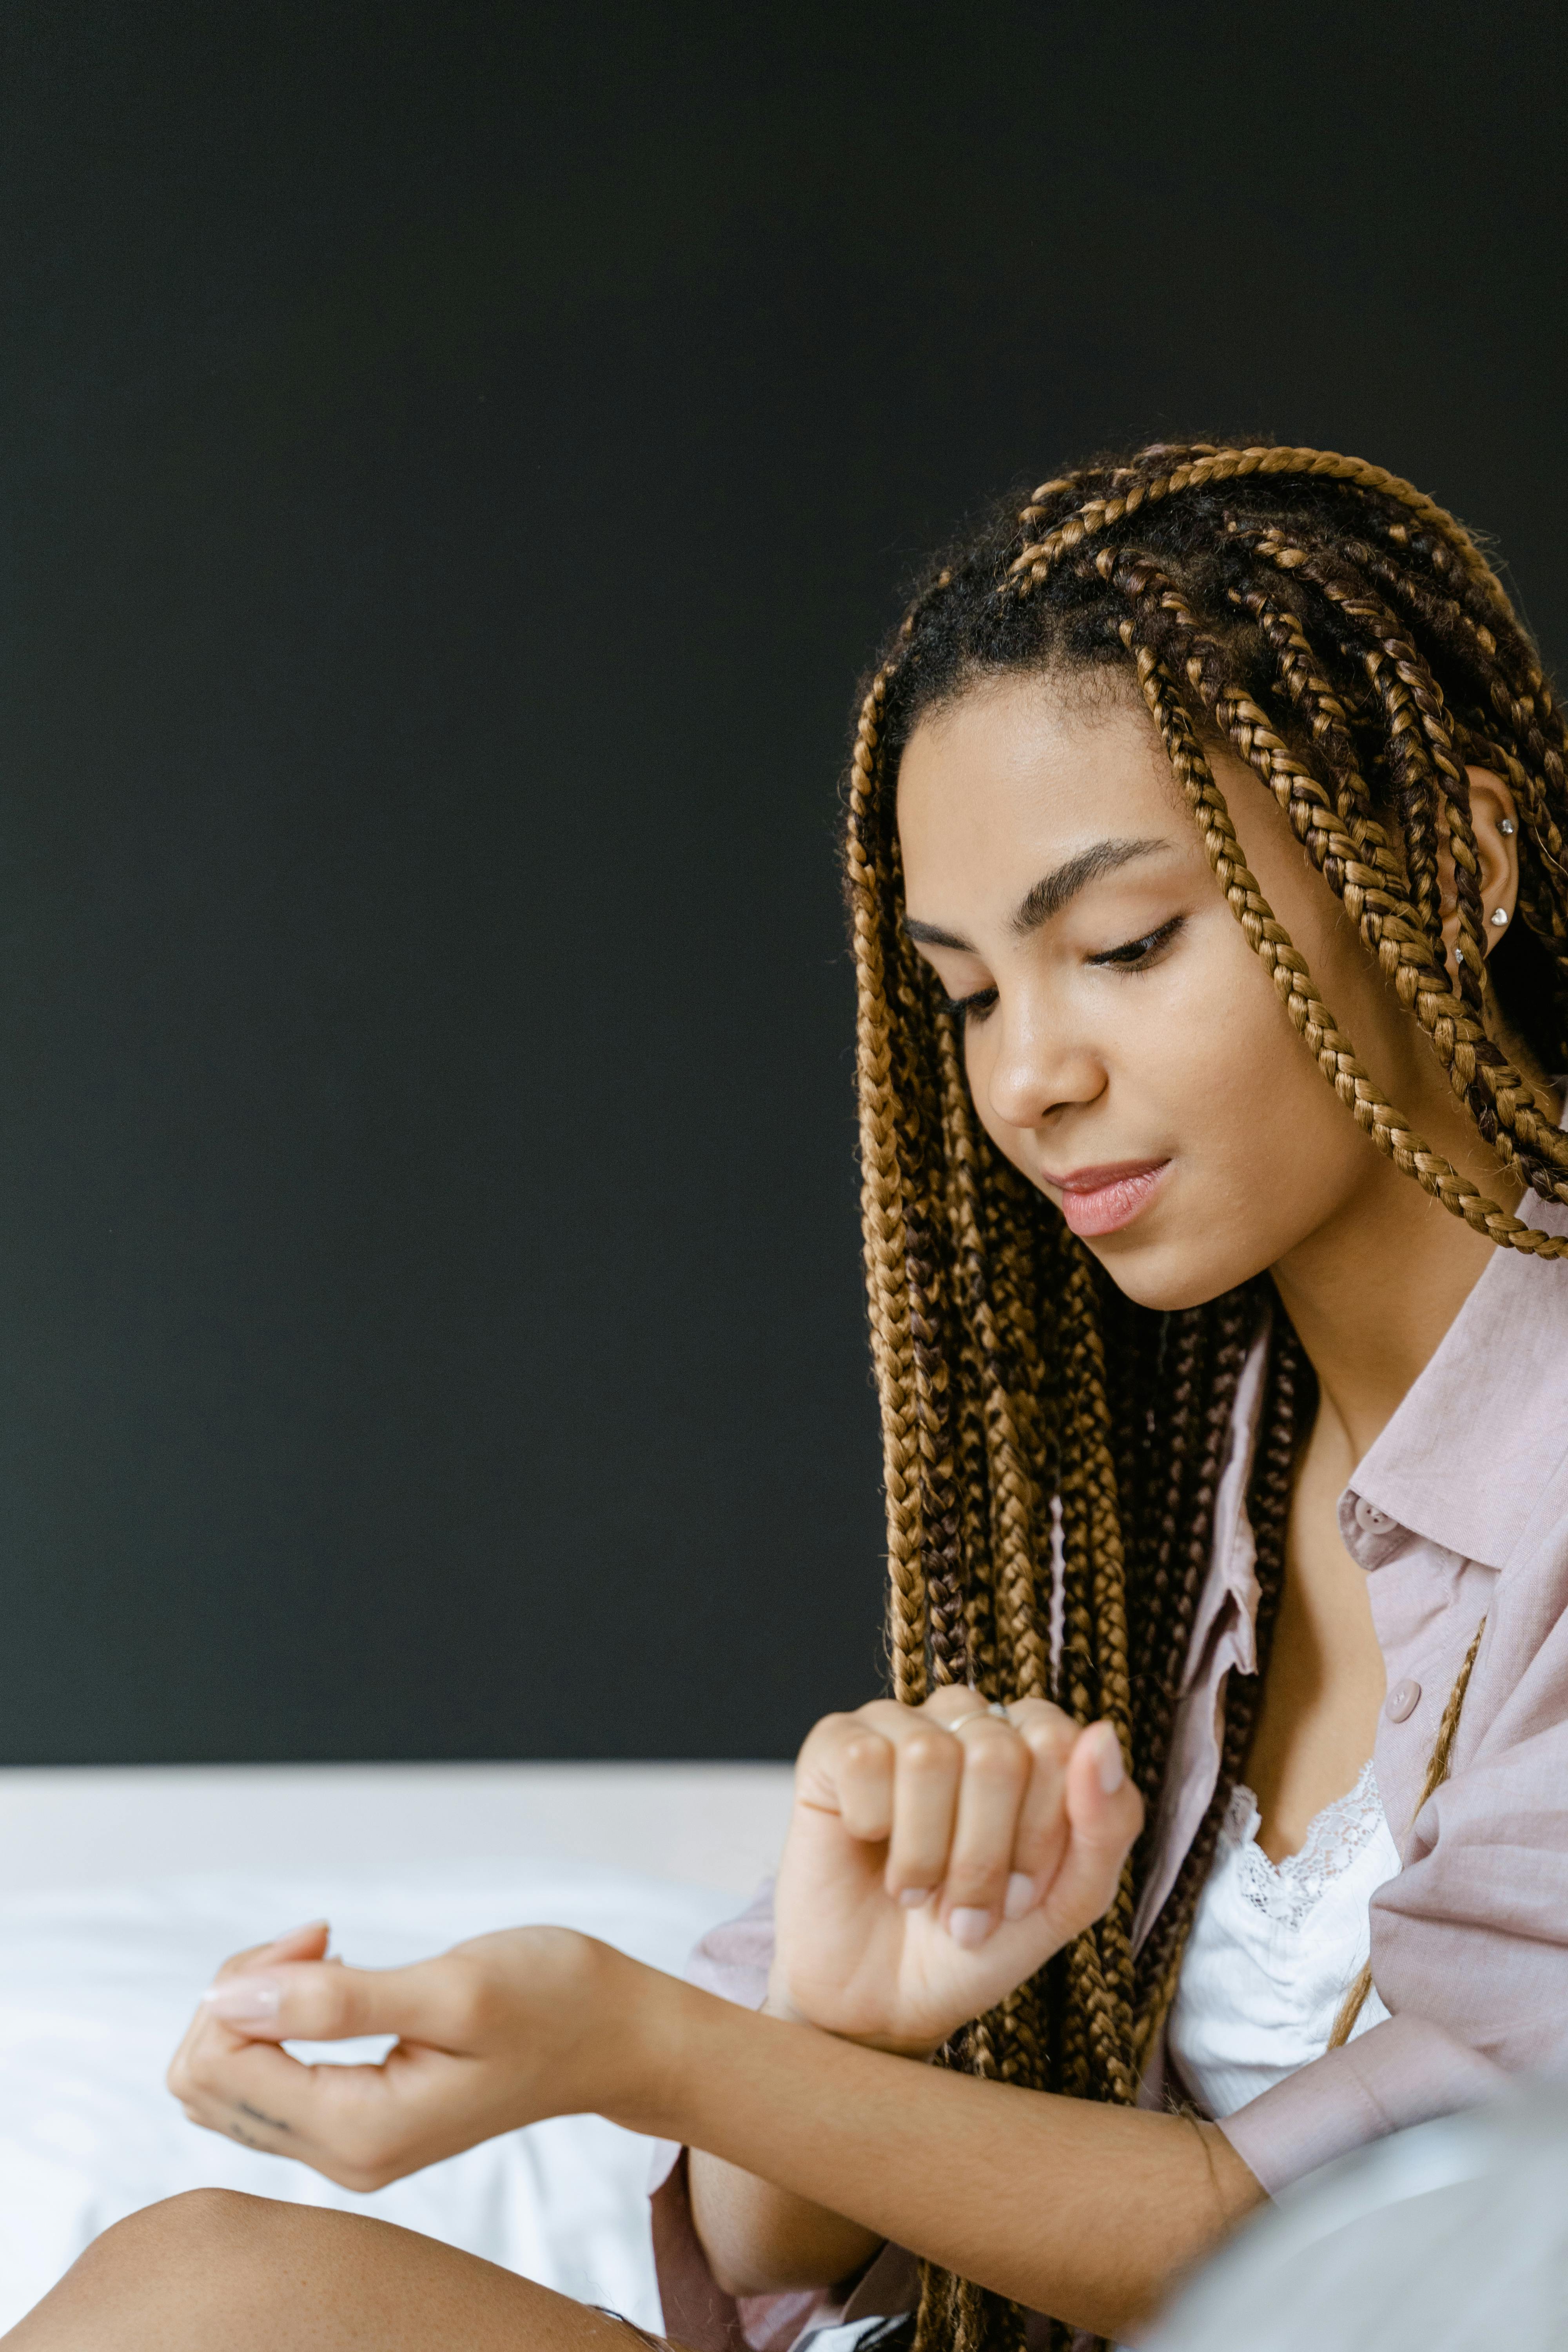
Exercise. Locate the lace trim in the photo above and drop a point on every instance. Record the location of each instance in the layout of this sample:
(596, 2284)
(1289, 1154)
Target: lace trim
(1285, 1891)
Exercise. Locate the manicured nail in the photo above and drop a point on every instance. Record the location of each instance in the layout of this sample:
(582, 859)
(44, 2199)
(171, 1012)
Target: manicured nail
(1108, 1758)
(968, 1926)
(1020, 1896)
(913, 1897)
(244, 2001)
(305, 1928)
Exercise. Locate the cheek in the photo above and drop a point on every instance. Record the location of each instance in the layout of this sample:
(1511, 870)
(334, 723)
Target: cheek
(1200, 1061)
(1271, 1156)
(979, 1060)
(1249, 1093)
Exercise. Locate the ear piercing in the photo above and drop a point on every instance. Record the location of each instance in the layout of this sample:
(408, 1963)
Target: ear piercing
(1499, 920)
(1504, 825)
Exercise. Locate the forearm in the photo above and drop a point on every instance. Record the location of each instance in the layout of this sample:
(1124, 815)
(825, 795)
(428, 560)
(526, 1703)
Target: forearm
(1082, 2210)
(760, 2239)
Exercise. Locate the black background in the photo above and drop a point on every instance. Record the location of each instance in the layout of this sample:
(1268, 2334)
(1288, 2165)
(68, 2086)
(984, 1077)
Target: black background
(455, 459)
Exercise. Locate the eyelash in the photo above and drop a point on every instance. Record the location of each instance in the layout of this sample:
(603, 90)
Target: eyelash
(1137, 953)
(1133, 955)
(972, 1008)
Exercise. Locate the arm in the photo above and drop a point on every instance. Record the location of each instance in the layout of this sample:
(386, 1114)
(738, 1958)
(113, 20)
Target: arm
(936, 1856)
(760, 2239)
(1084, 2211)
(818, 2147)
(716, 2227)
(1081, 2211)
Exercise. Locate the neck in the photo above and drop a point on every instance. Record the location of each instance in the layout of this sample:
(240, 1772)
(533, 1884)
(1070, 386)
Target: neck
(1371, 1296)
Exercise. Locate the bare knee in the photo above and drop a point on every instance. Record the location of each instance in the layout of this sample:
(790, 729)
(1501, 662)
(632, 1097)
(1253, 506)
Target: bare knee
(166, 2256)
(195, 2226)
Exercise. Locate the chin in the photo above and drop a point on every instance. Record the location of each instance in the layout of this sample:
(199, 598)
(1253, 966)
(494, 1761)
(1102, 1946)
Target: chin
(1164, 1277)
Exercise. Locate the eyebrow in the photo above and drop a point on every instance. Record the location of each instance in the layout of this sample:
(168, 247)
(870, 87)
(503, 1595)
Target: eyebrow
(1052, 891)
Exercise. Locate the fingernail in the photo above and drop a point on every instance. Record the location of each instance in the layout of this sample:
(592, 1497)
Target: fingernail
(1107, 1761)
(1020, 1896)
(968, 1927)
(913, 1897)
(244, 2001)
(305, 1926)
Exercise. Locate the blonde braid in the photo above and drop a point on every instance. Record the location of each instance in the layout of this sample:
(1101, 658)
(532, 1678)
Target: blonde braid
(1500, 1101)
(1017, 1537)
(1406, 684)
(1310, 1016)
(1012, 1534)
(882, 1213)
(1013, 1379)
(1211, 464)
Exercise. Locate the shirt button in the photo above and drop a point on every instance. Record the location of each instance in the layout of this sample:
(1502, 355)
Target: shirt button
(1402, 1700)
(1370, 1520)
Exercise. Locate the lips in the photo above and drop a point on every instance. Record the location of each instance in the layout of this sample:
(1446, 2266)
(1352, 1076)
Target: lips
(1102, 1200)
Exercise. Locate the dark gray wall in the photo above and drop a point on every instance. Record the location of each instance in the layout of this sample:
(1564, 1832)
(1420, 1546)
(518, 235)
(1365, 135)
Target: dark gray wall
(455, 459)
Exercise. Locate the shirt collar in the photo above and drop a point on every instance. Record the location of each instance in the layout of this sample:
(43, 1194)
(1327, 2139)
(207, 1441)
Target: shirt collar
(1476, 1436)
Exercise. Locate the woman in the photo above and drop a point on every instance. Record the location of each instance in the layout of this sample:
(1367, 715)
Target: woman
(1224, 1428)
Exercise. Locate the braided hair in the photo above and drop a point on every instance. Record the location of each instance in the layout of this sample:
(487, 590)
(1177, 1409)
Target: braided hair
(1348, 641)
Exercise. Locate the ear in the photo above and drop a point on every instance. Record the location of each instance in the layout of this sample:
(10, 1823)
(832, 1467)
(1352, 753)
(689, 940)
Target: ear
(1494, 821)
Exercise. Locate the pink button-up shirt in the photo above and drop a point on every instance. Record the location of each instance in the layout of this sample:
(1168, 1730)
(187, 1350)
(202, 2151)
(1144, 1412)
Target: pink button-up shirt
(1459, 1511)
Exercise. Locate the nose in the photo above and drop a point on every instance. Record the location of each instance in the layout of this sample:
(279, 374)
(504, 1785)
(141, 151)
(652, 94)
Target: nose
(1038, 1068)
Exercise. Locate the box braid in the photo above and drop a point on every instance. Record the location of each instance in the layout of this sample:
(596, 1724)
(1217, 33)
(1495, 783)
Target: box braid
(1348, 641)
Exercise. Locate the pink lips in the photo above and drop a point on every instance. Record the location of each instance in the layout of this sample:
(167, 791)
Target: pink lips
(1102, 1200)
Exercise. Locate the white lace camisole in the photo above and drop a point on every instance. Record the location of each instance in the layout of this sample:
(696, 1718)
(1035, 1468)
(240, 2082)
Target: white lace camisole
(1275, 1946)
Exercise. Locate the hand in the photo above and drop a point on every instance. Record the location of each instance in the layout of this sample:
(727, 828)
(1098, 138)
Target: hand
(937, 1856)
(497, 2033)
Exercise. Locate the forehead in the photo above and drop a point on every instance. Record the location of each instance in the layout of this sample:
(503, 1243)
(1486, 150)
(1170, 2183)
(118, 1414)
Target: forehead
(1031, 765)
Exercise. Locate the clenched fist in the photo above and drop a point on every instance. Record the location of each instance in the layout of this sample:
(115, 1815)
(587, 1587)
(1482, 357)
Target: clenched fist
(937, 1856)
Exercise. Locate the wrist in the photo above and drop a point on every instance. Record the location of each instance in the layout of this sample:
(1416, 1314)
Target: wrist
(639, 2023)
(778, 2004)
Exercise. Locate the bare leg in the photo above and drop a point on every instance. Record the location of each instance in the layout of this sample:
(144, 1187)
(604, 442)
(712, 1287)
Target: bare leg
(217, 2272)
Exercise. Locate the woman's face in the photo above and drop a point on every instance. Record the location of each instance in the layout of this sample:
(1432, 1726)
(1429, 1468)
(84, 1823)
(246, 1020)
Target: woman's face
(1125, 1047)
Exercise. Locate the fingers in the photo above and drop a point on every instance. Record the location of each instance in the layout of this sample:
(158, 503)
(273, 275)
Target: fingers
(1104, 1814)
(996, 1771)
(846, 1767)
(1012, 1823)
(1065, 1823)
(1012, 1829)
(354, 2123)
(306, 1942)
(302, 2000)
(991, 1814)
(1042, 1833)
(246, 2091)
(892, 1774)
(230, 2076)
(507, 2029)
(929, 1768)
(964, 1798)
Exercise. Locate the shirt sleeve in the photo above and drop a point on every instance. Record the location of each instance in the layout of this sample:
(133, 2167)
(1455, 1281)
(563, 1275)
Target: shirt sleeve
(1401, 2071)
(1469, 1942)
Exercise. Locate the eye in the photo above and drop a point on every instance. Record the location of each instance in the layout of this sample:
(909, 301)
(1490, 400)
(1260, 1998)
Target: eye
(971, 1008)
(1135, 955)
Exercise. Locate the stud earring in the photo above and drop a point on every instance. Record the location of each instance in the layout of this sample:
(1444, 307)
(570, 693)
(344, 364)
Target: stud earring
(1504, 825)
(1499, 920)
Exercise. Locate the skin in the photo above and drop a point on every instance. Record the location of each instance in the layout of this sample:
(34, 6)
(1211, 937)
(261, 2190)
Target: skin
(936, 1856)
(1187, 1058)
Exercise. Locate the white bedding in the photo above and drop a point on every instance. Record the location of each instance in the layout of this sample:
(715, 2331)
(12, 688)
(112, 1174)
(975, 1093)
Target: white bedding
(97, 1980)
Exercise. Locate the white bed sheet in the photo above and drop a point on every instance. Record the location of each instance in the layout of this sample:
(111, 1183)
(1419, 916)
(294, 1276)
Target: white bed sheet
(98, 1981)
